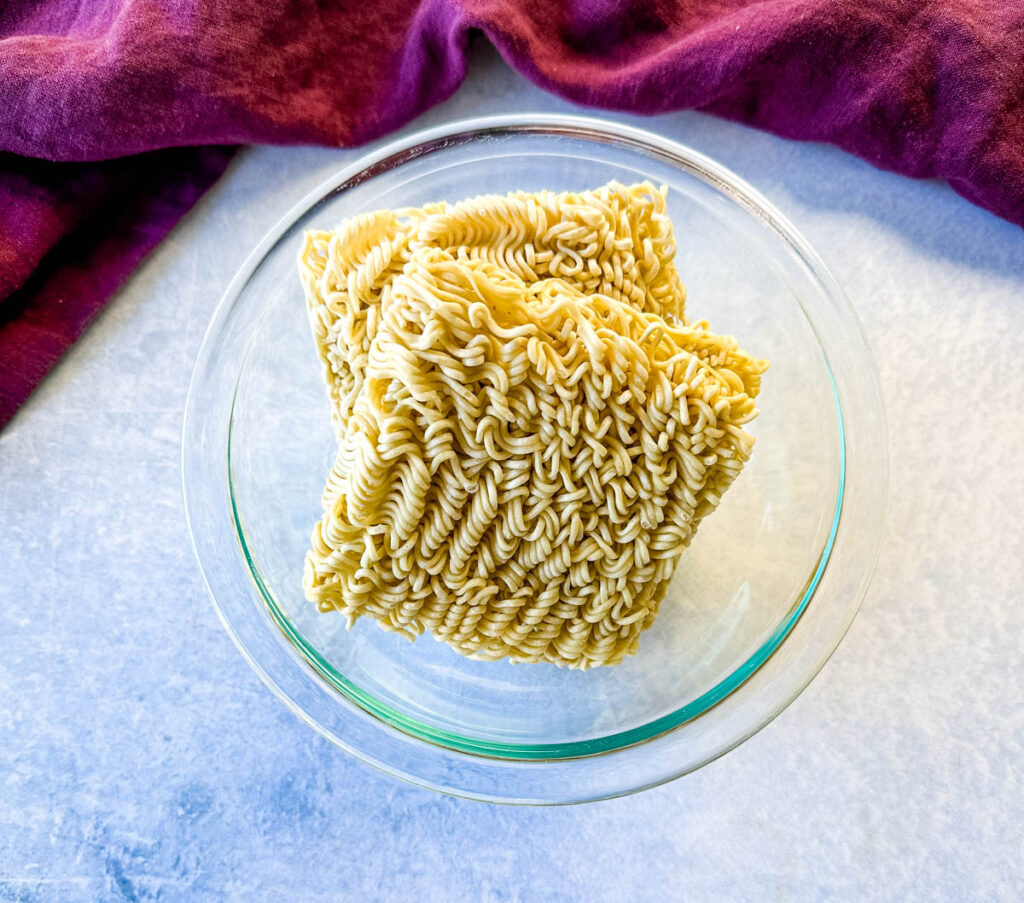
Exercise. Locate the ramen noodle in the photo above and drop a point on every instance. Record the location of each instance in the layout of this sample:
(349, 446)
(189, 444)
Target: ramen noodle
(529, 428)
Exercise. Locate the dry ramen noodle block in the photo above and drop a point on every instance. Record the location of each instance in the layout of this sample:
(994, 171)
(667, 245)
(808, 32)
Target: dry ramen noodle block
(522, 456)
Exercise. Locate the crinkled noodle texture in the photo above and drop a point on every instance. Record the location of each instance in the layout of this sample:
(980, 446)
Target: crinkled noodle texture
(529, 428)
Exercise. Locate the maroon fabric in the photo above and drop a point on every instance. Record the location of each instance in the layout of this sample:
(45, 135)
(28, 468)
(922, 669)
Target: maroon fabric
(70, 234)
(928, 88)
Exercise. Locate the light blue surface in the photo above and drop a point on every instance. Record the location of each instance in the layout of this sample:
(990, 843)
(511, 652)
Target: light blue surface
(140, 759)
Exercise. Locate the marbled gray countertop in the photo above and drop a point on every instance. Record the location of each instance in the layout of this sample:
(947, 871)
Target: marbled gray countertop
(141, 759)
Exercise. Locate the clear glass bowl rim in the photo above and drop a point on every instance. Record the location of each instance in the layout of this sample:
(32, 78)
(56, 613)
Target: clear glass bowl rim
(591, 775)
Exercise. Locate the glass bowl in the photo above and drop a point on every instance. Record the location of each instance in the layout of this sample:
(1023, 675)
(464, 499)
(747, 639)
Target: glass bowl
(760, 599)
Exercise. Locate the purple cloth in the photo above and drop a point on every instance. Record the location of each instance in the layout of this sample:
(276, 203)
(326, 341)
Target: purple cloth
(70, 234)
(928, 88)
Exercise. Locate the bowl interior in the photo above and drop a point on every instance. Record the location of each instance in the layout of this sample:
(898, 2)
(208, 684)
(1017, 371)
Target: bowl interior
(748, 574)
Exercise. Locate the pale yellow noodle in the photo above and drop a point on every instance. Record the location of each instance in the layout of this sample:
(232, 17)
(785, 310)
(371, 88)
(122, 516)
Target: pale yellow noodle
(529, 429)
